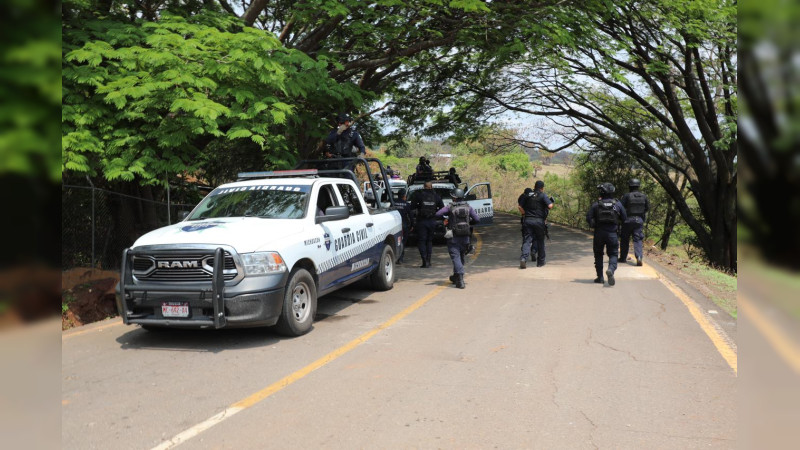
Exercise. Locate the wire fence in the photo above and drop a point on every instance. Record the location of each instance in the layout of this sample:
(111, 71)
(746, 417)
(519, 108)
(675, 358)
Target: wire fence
(98, 224)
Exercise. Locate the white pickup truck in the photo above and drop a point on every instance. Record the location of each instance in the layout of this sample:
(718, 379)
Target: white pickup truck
(259, 252)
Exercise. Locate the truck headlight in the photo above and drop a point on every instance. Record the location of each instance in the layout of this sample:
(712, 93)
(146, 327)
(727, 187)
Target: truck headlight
(263, 263)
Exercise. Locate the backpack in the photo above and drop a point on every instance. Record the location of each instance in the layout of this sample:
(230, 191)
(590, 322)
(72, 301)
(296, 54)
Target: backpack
(606, 214)
(636, 203)
(427, 204)
(459, 219)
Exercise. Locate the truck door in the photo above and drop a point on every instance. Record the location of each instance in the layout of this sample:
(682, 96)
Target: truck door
(328, 234)
(356, 253)
(479, 196)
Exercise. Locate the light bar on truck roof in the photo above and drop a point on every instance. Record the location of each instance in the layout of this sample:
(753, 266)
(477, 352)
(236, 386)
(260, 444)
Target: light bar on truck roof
(278, 173)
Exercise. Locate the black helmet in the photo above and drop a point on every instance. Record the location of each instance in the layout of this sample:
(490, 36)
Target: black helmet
(606, 188)
(342, 118)
(634, 183)
(457, 194)
(422, 159)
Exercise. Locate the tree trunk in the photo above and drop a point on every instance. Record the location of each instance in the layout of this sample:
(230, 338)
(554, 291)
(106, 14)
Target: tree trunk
(669, 225)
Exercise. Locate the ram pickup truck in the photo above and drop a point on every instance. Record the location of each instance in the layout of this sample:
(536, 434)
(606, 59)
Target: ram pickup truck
(260, 252)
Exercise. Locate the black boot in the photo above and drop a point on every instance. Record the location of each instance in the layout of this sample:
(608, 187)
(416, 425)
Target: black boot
(460, 281)
(599, 279)
(453, 278)
(428, 262)
(639, 262)
(610, 275)
(424, 263)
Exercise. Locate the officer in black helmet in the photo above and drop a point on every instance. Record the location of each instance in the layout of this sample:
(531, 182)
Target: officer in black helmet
(636, 205)
(424, 171)
(605, 216)
(342, 139)
(425, 203)
(460, 218)
(534, 207)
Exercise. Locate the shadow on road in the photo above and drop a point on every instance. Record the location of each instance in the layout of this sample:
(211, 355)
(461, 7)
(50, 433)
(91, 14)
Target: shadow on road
(205, 341)
(501, 248)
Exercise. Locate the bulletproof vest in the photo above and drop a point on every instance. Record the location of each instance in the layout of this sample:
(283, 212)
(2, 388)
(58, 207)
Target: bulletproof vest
(344, 143)
(459, 219)
(606, 212)
(636, 203)
(534, 206)
(427, 204)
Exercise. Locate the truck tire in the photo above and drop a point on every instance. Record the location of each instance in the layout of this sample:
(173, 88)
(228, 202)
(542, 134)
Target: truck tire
(299, 304)
(383, 277)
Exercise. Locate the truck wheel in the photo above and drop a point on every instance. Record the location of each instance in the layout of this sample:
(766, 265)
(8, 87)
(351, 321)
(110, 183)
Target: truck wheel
(383, 277)
(299, 304)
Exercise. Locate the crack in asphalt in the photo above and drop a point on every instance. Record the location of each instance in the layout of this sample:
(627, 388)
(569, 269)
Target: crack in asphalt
(594, 428)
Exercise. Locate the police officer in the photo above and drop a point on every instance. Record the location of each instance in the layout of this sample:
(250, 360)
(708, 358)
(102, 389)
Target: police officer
(424, 170)
(342, 139)
(534, 207)
(605, 216)
(453, 177)
(460, 216)
(425, 203)
(404, 208)
(636, 205)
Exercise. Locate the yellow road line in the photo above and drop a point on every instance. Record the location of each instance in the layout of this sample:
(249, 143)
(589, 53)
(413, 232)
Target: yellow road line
(478, 246)
(723, 347)
(111, 323)
(253, 399)
(783, 345)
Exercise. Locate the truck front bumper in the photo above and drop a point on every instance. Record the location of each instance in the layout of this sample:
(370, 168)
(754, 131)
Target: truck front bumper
(253, 302)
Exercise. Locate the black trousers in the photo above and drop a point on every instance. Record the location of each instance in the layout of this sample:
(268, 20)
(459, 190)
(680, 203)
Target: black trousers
(632, 228)
(608, 241)
(533, 233)
(425, 230)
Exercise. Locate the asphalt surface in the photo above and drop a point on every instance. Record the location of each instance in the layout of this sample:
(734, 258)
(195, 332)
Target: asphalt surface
(534, 358)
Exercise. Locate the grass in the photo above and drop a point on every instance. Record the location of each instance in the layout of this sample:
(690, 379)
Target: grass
(724, 286)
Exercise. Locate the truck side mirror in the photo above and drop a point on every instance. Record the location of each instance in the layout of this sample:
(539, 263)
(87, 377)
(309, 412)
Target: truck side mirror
(334, 213)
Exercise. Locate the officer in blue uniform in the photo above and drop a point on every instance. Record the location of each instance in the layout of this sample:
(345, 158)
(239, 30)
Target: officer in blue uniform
(404, 208)
(605, 216)
(534, 207)
(425, 203)
(342, 139)
(460, 218)
(636, 205)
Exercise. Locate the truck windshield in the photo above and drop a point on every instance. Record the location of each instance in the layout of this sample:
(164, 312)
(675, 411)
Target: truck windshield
(269, 202)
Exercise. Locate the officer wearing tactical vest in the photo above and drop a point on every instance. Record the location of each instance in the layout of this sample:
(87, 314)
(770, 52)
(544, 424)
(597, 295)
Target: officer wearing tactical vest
(534, 207)
(605, 216)
(460, 217)
(425, 203)
(342, 139)
(636, 205)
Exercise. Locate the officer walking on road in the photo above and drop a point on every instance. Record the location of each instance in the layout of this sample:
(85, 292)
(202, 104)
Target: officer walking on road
(534, 207)
(460, 218)
(605, 216)
(425, 203)
(404, 208)
(636, 205)
(342, 139)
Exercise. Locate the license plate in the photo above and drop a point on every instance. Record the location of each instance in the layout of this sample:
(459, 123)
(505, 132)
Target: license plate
(175, 309)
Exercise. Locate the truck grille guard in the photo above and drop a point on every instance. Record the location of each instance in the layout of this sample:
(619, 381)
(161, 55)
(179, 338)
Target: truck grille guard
(127, 288)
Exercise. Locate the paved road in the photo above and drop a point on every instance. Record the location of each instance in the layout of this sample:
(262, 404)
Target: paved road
(536, 358)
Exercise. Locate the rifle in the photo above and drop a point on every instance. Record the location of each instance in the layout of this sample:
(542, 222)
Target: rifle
(547, 230)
